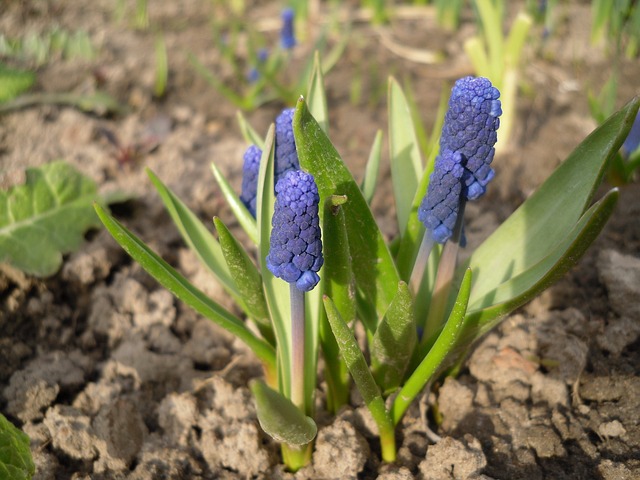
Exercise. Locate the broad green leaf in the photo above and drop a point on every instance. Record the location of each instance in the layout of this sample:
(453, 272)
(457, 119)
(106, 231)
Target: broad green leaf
(358, 367)
(249, 134)
(276, 290)
(370, 180)
(374, 270)
(13, 82)
(169, 278)
(246, 278)
(394, 341)
(197, 237)
(280, 418)
(246, 220)
(438, 352)
(545, 219)
(316, 97)
(15, 456)
(339, 284)
(46, 217)
(404, 151)
(486, 311)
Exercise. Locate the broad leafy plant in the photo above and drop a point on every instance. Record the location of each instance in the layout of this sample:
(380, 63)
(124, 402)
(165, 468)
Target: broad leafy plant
(419, 312)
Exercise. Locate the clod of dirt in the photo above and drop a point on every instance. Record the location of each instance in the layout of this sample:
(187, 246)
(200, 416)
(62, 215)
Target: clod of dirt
(621, 276)
(177, 414)
(452, 459)
(340, 452)
(455, 402)
(36, 386)
(161, 459)
(71, 432)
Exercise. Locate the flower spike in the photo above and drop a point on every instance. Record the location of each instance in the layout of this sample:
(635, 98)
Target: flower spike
(287, 35)
(295, 253)
(286, 155)
(250, 170)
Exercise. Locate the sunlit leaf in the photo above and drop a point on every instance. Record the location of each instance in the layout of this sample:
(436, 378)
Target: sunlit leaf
(16, 462)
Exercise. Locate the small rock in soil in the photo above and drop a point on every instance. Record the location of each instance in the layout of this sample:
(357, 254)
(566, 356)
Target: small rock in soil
(340, 452)
(453, 459)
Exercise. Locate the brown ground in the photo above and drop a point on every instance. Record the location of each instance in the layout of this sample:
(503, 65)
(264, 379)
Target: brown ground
(111, 377)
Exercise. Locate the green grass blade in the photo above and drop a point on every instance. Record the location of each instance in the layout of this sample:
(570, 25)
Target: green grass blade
(247, 279)
(372, 170)
(246, 220)
(196, 236)
(374, 270)
(437, 354)
(404, 153)
(316, 97)
(249, 134)
(169, 278)
(545, 219)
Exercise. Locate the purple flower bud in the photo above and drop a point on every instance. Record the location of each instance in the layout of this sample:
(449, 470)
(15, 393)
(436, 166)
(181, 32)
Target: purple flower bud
(462, 169)
(295, 253)
(286, 155)
(250, 170)
(287, 34)
(632, 141)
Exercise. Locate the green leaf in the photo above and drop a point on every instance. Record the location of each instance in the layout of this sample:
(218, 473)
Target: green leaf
(358, 367)
(169, 278)
(546, 218)
(197, 237)
(13, 82)
(249, 134)
(244, 217)
(394, 341)
(525, 286)
(280, 418)
(46, 217)
(373, 267)
(15, 456)
(441, 348)
(370, 180)
(339, 284)
(406, 164)
(316, 96)
(276, 290)
(247, 279)
(162, 68)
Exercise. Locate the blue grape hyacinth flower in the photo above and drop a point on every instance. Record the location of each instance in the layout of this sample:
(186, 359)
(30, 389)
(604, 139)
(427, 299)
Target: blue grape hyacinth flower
(295, 253)
(287, 34)
(462, 169)
(286, 155)
(632, 142)
(250, 171)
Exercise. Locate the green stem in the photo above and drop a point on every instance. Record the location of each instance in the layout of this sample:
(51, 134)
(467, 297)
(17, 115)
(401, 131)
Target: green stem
(297, 347)
(296, 457)
(421, 262)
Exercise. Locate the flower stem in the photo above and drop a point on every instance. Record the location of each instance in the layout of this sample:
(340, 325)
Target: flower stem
(297, 347)
(444, 277)
(295, 457)
(421, 262)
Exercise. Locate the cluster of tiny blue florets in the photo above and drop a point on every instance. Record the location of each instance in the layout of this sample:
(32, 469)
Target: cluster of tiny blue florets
(462, 169)
(286, 155)
(295, 253)
(250, 171)
(287, 34)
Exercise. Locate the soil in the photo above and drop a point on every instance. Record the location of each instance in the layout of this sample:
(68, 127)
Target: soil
(111, 377)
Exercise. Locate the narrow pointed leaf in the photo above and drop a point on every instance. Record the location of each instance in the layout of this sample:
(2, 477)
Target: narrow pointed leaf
(169, 278)
(394, 341)
(406, 164)
(547, 217)
(370, 180)
(246, 220)
(280, 418)
(357, 366)
(246, 278)
(276, 290)
(441, 348)
(316, 95)
(249, 134)
(196, 236)
(486, 312)
(373, 267)
(339, 284)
